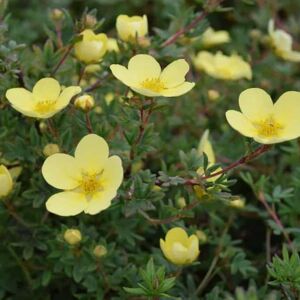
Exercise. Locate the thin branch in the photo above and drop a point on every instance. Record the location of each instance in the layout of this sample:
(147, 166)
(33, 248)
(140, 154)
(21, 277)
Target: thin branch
(63, 59)
(88, 122)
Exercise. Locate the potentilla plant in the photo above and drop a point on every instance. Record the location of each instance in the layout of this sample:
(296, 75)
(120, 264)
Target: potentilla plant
(127, 170)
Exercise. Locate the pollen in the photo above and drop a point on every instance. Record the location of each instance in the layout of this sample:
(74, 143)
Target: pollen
(45, 106)
(90, 183)
(268, 127)
(153, 84)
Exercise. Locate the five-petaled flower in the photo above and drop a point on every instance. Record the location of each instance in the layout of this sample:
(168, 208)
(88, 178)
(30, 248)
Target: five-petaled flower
(179, 248)
(265, 122)
(46, 99)
(90, 179)
(144, 76)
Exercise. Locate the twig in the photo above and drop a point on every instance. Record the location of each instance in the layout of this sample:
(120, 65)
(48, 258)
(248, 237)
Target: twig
(88, 122)
(81, 73)
(61, 62)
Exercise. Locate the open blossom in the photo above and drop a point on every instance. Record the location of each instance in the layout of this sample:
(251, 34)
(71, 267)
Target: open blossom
(144, 76)
(213, 37)
(130, 28)
(92, 47)
(223, 67)
(264, 121)
(46, 99)
(282, 43)
(6, 181)
(90, 179)
(179, 248)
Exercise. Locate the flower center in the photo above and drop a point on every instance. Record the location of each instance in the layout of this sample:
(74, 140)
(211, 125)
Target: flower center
(268, 127)
(45, 106)
(153, 84)
(90, 184)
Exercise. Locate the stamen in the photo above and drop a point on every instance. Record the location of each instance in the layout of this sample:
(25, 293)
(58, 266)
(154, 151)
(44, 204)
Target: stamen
(45, 106)
(153, 84)
(268, 127)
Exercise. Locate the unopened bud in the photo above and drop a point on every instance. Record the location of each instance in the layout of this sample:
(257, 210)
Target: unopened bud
(201, 236)
(56, 14)
(181, 203)
(51, 149)
(100, 251)
(90, 21)
(84, 102)
(72, 236)
(237, 203)
(213, 95)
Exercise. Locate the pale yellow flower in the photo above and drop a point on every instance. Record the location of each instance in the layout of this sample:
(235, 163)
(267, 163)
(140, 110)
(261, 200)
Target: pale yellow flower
(223, 67)
(90, 179)
(130, 28)
(46, 99)
(6, 182)
(265, 122)
(282, 43)
(213, 37)
(144, 76)
(92, 47)
(72, 236)
(179, 248)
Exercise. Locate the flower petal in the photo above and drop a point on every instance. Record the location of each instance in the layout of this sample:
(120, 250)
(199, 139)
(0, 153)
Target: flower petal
(174, 73)
(293, 56)
(46, 89)
(112, 175)
(255, 104)
(179, 90)
(240, 123)
(121, 73)
(145, 92)
(66, 96)
(66, 204)
(205, 146)
(144, 66)
(193, 248)
(61, 171)
(176, 234)
(21, 99)
(92, 153)
(100, 201)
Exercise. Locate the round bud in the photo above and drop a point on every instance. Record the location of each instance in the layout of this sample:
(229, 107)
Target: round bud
(51, 149)
(72, 236)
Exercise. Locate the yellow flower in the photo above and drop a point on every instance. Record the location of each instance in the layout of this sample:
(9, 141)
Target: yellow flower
(144, 76)
(265, 122)
(72, 236)
(84, 102)
(45, 100)
(90, 179)
(6, 182)
(282, 43)
(129, 28)
(92, 47)
(178, 248)
(211, 37)
(112, 45)
(50, 149)
(223, 67)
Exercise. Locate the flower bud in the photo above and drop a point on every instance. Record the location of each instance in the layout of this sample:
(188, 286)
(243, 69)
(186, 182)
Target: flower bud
(156, 188)
(112, 45)
(43, 126)
(255, 34)
(51, 149)
(6, 182)
(98, 110)
(91, 48)
(213, 95)
(237, 203)
(201, 236)
(90, 21)
(130, 28)
(181, 203)
(72, 236)
(100, 251)
(84, 102)
(93, 68)
(56, 14)
(199, 191)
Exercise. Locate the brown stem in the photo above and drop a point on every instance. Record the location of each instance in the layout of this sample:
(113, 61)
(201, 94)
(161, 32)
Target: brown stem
(81, 74)
(272, 213)
(52, 129)
(88, 122)
(58, 34)
(63, 59)
(190, 26)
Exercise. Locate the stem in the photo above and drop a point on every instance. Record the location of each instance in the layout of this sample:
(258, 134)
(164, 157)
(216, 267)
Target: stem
(63, 59)
(272, 213)
(88, 122)
(81, 73)
(52, 128)
(190, 26)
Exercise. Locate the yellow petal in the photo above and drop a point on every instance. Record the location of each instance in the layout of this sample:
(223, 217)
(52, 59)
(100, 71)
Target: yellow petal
(240, 123)
(112, 174)
(179, 254)
(61, 171)
(66, 96)
(179, 90)
(66, 204)
(121, 73)
(6, 182)
(46, 89)
(145, 92)
(100, 201)
(287, 112)
(176, 234)
(255, 104)
(92, 153)
(193, 248)
(21, 99)
(144, 66)
(174, 73)
(205, 146)
(293, 56)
